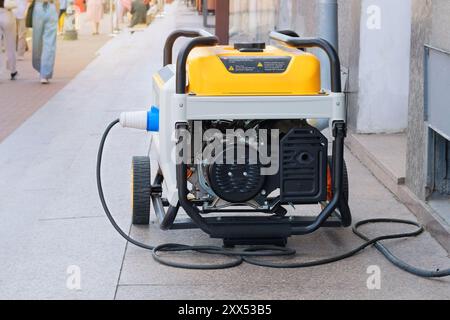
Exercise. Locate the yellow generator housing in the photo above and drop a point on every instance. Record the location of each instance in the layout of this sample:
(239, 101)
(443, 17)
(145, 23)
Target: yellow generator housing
(268, 71)
(234, 140)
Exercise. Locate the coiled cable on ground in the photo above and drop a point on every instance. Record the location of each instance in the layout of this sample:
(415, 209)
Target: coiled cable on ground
(253, 255)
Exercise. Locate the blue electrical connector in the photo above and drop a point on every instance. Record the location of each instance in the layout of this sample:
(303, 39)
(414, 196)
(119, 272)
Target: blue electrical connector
(153, 119)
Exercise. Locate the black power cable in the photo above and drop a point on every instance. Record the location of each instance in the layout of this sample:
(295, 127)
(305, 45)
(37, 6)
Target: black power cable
(251, 254)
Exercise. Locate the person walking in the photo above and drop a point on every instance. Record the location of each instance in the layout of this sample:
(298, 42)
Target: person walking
(62, 15)
(8, 30)
(139, 12)
(118, 15)
(95, 13)
(45, 25)
(21, 12)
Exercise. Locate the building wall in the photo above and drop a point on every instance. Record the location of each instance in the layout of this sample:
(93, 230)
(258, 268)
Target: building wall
(430, 25)
(298, 15)
(383, 69)
(417, 141)
(378, 73)
(440, 24)
(349, 51)
(252, 20)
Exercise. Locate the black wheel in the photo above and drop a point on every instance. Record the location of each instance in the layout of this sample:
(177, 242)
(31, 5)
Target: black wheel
(141, 190)
(344, 209)
(345, 183)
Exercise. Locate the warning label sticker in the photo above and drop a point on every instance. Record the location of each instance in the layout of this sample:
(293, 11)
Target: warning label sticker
(256, 64)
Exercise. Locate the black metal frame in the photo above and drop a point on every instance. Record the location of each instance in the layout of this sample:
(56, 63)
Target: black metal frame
(254, 229)
(185, 33)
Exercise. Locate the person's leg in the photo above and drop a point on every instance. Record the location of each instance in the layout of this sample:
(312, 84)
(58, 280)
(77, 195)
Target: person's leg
(2, 58)
(10, 41)
(119, 14)
(133, 12)
(77, 17)
(96, 28)
(115, 19)
(21, 38)
(49, 43)
(38, 31)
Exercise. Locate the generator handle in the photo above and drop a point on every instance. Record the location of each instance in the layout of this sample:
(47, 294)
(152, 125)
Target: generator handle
(208, 41)
(290, 33)
(186, 33)
(302, 43)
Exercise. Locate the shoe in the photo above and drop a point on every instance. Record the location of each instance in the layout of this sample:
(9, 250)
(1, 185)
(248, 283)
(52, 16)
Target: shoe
(14, 75)
(44, 81)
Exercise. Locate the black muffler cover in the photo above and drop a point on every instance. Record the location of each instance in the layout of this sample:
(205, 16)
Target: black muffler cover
(303, 166)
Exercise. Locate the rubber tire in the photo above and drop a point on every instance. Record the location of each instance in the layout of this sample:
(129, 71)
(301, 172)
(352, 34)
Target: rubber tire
(141, 190)
(345, 183)
(345, 212)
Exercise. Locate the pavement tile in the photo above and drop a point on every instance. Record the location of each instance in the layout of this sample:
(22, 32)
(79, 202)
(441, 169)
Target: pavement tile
(35, 265)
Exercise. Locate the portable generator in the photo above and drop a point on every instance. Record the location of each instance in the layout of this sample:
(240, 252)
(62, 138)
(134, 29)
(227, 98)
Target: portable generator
(214, 96)
(234, 142)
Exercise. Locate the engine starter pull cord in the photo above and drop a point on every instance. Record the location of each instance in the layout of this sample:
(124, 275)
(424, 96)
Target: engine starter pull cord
(253, 255)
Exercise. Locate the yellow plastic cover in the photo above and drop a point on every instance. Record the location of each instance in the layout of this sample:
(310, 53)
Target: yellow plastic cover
(225, 71)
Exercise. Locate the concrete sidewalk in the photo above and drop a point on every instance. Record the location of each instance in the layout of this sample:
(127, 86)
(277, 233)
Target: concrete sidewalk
(52, 219)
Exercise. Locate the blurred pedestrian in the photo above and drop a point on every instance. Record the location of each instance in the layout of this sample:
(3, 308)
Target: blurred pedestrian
(118, 16)
(139, 12)
(126, 4)
(21, 12)
(80, 4)
(8, 30)
(95, 13)
(45, 25)
(80, 8)
(62, 15)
